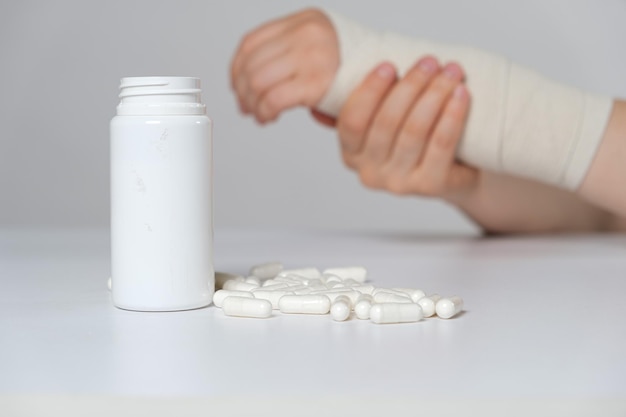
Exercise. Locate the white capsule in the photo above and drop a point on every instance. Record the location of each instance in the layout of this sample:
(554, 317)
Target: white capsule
(304, 304)
(303, 272)
(253, 280)
(235, 285)
(314, 282)
(334, 293)
(347, 283)
(297, 278)
(272, 296)
(363, 306)
(222, 277)
(220, 295)
(109, 284)
(364, 288)
(357, 273)
(435, 298)
(246, 307)
(449, 307)
(287, 279)
(365, 297)
(414, 293)
(346, 299)
(353, 296)
(428, 306)
(389, 291)
(273, 287)
(329, 278)
(340, 308)
(298, 288)
(395, 313)
(317, 287)
(390, 297)
(266, 270)
(301, 290)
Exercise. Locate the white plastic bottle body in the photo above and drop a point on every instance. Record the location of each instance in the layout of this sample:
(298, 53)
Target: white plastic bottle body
(161, 211)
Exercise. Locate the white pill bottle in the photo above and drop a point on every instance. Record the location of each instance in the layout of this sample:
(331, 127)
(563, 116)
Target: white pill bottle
(161, 196)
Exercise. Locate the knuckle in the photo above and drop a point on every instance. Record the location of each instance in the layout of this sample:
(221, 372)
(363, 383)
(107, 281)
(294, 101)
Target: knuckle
(348, 160)
(444, 142)
(456, 113)
(416, 78)
(246, 42)
(312, 11)
(316, 11)
(387, 121)
(255, 83)
(406, 150)
(414, 127)
(437, 90)
(348, 146)
(376, 148)
(352, 124)
(246, 71)
(369, 178)
(415, 82)
(427, 187)
(375, 152)
(442, 85)
(310, 29)
(397, 185)
(270, 104)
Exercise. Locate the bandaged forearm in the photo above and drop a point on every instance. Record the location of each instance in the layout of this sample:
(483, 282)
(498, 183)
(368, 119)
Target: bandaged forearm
(520, 122)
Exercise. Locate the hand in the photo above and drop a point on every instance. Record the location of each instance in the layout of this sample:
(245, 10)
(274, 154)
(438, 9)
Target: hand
(285, 63)
(401, 135)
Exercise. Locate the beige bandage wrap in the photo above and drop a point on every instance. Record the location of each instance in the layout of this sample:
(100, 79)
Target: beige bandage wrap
(520, 122)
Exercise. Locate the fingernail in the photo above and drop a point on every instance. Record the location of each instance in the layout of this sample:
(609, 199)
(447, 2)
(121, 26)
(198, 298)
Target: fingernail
(428, 65)
(452, 71)
(386, 70)
(460, 92)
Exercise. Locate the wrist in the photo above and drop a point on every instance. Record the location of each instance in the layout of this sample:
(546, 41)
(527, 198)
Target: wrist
(467, 196)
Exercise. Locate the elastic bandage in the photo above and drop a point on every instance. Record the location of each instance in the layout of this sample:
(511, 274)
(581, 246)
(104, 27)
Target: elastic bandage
(520, 122)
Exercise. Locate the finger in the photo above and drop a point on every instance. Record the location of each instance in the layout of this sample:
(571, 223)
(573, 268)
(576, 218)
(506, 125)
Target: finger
(439, 155)
(266, 31)
(264, 53)
(393, 111)
(323, 118)
(420, 121)
(262, 79)
(252, 77)
(356, 114)
(255, 38)
(284, 95)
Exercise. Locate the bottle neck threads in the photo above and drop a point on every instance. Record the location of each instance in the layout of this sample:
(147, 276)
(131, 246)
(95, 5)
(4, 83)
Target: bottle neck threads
(160, 96)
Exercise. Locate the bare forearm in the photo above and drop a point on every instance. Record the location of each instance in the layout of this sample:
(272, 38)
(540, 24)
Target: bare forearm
(604, 184)
(505, 204)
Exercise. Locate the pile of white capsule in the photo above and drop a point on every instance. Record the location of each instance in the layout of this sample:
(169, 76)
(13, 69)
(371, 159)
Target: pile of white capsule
(337, 291)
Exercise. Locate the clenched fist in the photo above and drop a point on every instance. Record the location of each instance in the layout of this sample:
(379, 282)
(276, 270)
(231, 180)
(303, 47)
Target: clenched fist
(285, 63)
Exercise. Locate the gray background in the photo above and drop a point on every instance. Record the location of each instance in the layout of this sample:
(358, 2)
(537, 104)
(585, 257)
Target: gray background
(60, 64)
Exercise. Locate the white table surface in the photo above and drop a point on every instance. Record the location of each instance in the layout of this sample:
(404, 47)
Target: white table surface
(544, 332)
